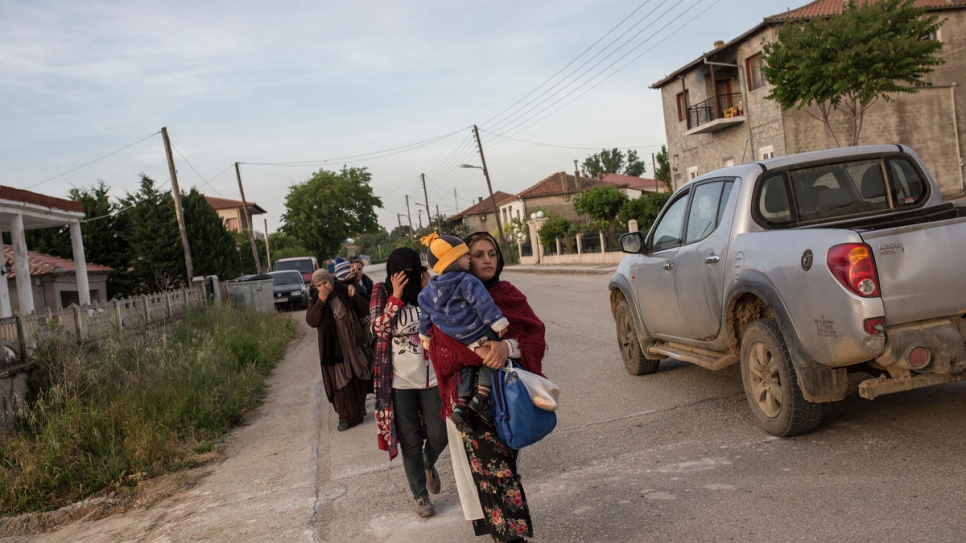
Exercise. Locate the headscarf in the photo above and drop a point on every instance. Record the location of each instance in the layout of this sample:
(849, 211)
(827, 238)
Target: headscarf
(476, 236)
(404, 258)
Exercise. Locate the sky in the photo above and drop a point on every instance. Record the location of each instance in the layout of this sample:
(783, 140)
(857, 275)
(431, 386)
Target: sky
(287, 88)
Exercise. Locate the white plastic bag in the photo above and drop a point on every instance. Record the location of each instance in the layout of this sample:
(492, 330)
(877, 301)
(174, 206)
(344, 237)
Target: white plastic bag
(543, 392)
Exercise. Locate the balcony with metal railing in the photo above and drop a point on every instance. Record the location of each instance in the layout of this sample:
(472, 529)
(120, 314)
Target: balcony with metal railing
(716, 113)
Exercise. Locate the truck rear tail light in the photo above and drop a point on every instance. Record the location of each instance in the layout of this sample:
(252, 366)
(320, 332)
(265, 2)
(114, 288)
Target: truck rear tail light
(919, 357)
(875, 326)
(852, 265)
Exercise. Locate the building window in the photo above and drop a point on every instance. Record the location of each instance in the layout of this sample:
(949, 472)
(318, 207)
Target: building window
(753, 65)
(729, 162)
(692, 172)
(682, 98)
(766, 152)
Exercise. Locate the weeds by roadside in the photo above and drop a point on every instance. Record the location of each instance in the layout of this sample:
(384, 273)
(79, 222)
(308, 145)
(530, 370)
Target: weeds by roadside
(109, 412)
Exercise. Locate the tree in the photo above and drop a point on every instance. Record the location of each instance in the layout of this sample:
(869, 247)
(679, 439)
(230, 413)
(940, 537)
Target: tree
(601, 203)
(613, 161)
(213, 249)
(157, 258)
(283, 245)
(644, 209)
(846, 63)
(663, 171)
(325, 211)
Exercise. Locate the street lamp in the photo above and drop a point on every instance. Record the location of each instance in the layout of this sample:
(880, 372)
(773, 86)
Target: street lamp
(496, 211)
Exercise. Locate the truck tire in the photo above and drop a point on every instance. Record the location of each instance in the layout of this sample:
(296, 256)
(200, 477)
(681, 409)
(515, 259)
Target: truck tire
(771, 386)
(634, 359)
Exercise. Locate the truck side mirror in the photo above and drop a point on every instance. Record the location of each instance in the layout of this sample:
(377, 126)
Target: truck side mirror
(632, 242)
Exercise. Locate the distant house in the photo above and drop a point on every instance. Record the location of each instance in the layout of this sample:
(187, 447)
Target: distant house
(554, 195)
(716, 113)
(632, 186)
(232, 213)
(53, 280)
(479, 216)
(22, 210)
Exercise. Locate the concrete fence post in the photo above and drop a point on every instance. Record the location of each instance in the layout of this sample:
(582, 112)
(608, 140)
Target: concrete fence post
(118, 314)
(559, 247)
(632, 225)
(167, 305)
(78, 317)
(580, 244)
(603, 243)
(22, 337)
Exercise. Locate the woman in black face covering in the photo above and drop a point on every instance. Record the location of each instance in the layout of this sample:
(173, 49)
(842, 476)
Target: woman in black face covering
(407, 399)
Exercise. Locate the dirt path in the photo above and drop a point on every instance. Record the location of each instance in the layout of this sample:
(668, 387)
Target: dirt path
(262, 486)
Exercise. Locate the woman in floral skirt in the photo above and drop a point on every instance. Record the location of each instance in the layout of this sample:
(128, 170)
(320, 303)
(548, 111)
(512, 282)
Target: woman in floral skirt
(484, 467)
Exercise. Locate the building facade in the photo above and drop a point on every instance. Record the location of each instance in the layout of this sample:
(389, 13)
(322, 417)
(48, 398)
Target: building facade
(716, 112)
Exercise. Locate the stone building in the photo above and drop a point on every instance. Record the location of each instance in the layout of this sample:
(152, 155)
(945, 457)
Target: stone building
(716, 113)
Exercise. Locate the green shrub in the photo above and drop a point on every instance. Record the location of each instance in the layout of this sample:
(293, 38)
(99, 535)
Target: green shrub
(101, 414)
(644, 209)
(555, 227)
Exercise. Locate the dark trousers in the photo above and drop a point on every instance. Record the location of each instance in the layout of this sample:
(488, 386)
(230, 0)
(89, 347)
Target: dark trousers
(421, 432)
(472, 377)
(350, 401)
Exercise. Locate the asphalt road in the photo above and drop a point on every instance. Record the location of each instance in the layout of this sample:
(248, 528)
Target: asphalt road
(674, 456)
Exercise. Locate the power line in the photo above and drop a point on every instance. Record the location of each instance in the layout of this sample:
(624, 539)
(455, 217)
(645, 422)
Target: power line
(95, 160)
(563, 80)
(375, 155)
(672, 33)
(502, 136)
(585, 51)
(523, 119)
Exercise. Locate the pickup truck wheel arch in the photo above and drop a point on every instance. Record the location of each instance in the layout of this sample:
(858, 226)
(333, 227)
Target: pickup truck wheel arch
(771, 385)
(632, 353)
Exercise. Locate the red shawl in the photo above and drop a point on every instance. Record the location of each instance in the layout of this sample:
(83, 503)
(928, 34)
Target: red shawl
(449, 355)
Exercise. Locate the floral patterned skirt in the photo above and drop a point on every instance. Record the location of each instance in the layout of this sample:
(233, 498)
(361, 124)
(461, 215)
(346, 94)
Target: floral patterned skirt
(506, 516)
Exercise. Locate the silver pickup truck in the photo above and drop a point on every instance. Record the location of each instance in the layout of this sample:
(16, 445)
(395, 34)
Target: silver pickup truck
(803, 269)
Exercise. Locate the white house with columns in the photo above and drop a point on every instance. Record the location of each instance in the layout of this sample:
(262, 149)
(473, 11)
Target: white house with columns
(22, 210)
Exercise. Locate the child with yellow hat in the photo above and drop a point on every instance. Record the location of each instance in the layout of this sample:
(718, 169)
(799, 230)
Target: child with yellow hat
(460, 306)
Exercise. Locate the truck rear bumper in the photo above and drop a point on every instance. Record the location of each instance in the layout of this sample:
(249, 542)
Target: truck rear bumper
(872, 388)
(935, 346)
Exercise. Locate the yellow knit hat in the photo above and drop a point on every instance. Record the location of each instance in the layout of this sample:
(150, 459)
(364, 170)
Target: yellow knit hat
(443, 251)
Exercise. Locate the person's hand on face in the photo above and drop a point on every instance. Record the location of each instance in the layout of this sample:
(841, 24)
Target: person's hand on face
(399, 280)
(425, 278)
(325, 288)
(352, 291)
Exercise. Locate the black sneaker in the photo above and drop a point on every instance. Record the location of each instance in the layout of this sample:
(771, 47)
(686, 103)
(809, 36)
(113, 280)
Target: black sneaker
(461, 419)
(481, 406)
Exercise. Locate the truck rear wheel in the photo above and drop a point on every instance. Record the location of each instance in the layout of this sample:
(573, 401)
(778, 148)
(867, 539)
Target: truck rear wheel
(771, 386)
(634, 359)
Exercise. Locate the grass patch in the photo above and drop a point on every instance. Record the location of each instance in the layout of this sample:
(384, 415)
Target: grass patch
(104, 414)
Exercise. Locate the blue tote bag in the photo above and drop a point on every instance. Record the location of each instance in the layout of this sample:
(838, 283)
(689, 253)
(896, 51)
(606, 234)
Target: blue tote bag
(518, 422)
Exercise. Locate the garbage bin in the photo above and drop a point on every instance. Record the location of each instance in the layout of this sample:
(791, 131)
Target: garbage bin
(253, 290)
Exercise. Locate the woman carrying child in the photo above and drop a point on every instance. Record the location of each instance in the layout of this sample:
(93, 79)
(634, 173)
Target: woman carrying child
(485, 469)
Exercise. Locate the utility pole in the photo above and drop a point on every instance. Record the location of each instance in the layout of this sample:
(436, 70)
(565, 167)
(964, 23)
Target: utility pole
(429, 216)
(456, 201)
(489, 187)
(248, 221)
(409, 215)
(439, 220)
(268, 252)
(420, 213)
(399, 220)
(178, 211)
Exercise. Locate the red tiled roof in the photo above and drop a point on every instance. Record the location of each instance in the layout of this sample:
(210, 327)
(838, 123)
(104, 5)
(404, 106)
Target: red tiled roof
(637, 183)
(225, 203)
(485, 206)
(828, 8)
(559, 183)
(27, 197)
(41, 264)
